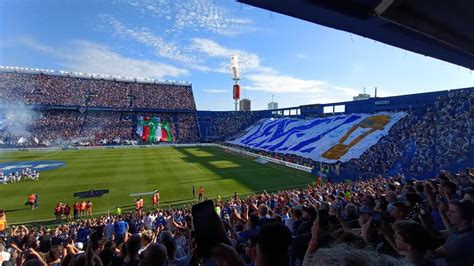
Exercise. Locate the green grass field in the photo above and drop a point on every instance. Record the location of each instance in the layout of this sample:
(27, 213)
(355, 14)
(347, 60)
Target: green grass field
(123, 171)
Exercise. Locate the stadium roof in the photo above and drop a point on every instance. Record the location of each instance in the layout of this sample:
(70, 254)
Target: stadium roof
(436, 28)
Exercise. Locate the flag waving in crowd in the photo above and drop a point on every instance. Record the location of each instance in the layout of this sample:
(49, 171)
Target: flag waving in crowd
(152, 129)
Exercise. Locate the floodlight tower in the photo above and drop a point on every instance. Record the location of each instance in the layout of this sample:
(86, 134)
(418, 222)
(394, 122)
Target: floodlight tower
(234, 63)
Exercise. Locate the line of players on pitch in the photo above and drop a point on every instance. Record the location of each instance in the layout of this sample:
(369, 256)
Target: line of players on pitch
(84, 208)
(25, 174)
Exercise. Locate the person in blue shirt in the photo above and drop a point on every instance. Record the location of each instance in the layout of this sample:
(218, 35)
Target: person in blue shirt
(160, 220)
(250, 228)
(120, 229)
(83, 234)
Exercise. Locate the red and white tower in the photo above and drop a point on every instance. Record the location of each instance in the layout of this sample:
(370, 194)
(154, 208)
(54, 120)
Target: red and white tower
(234, 63)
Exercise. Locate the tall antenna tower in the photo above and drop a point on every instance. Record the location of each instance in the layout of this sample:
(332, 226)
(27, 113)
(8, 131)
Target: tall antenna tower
(234, 64)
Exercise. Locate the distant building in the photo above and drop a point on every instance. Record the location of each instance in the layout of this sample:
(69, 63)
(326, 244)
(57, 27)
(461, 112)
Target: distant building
(361, 96)
(245, 105)
(272, 105)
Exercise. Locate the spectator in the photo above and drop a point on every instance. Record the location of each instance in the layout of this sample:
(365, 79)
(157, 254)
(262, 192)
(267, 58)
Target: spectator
(412, 240)
(458, 248)
(273, 245)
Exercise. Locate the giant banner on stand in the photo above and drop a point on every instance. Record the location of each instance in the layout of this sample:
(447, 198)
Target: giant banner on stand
(329, 139)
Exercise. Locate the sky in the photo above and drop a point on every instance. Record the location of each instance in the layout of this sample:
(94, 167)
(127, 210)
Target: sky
(294, 61)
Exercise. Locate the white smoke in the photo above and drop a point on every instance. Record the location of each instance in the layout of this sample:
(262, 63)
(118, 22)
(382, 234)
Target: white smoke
(16, 119)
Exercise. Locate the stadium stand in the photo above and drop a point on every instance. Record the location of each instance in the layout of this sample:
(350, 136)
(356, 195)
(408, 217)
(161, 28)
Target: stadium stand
(380, 221)
(80, 110)
(368, 216)
(52, 90)
(71, 110)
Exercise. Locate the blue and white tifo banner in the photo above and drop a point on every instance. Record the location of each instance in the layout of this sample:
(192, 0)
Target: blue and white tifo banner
(330, 139)
(39, 166)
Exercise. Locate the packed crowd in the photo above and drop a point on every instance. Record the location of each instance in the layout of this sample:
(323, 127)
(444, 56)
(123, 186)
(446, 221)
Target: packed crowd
(382, 221)
(453, 122)
(437, 137)
(62, 128)
(423, 141)
(226, 125)
(24, 174)
(42, 89)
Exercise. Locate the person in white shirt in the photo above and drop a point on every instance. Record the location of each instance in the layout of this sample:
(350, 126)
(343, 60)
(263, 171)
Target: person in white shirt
(4, 256)
(149, 220)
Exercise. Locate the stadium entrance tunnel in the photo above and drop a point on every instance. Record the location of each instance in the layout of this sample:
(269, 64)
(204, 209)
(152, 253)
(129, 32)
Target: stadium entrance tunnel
(38, 166)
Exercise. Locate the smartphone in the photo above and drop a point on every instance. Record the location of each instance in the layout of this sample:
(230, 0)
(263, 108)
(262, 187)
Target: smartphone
(323, 218)
(208, 228)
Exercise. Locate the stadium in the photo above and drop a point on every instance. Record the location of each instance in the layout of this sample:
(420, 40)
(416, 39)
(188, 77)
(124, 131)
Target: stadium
(112, 170)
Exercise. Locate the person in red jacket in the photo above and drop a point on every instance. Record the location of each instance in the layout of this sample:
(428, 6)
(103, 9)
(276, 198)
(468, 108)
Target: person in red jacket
(77, 209)
(155, 199)
(58, 212)
(67, 212)
(31, 201)
(89, 208)
(83, 208)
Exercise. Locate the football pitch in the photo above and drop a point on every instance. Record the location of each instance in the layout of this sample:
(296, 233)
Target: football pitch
(171, 170)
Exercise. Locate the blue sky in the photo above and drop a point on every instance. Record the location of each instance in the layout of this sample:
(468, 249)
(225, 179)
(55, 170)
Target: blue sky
(192, 40)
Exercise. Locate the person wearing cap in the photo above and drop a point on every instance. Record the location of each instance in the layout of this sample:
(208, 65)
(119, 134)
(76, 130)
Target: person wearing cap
(79, 246)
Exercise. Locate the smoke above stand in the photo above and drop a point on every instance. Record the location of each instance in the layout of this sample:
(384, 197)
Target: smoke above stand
(16, 119)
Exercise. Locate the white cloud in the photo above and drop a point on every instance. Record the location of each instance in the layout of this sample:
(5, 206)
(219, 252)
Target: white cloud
(197, 53)
(284, 84)
(88, 57)
(196, 15)
(166, 49)
(247, 61)
(216, 91)
(302, 56)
